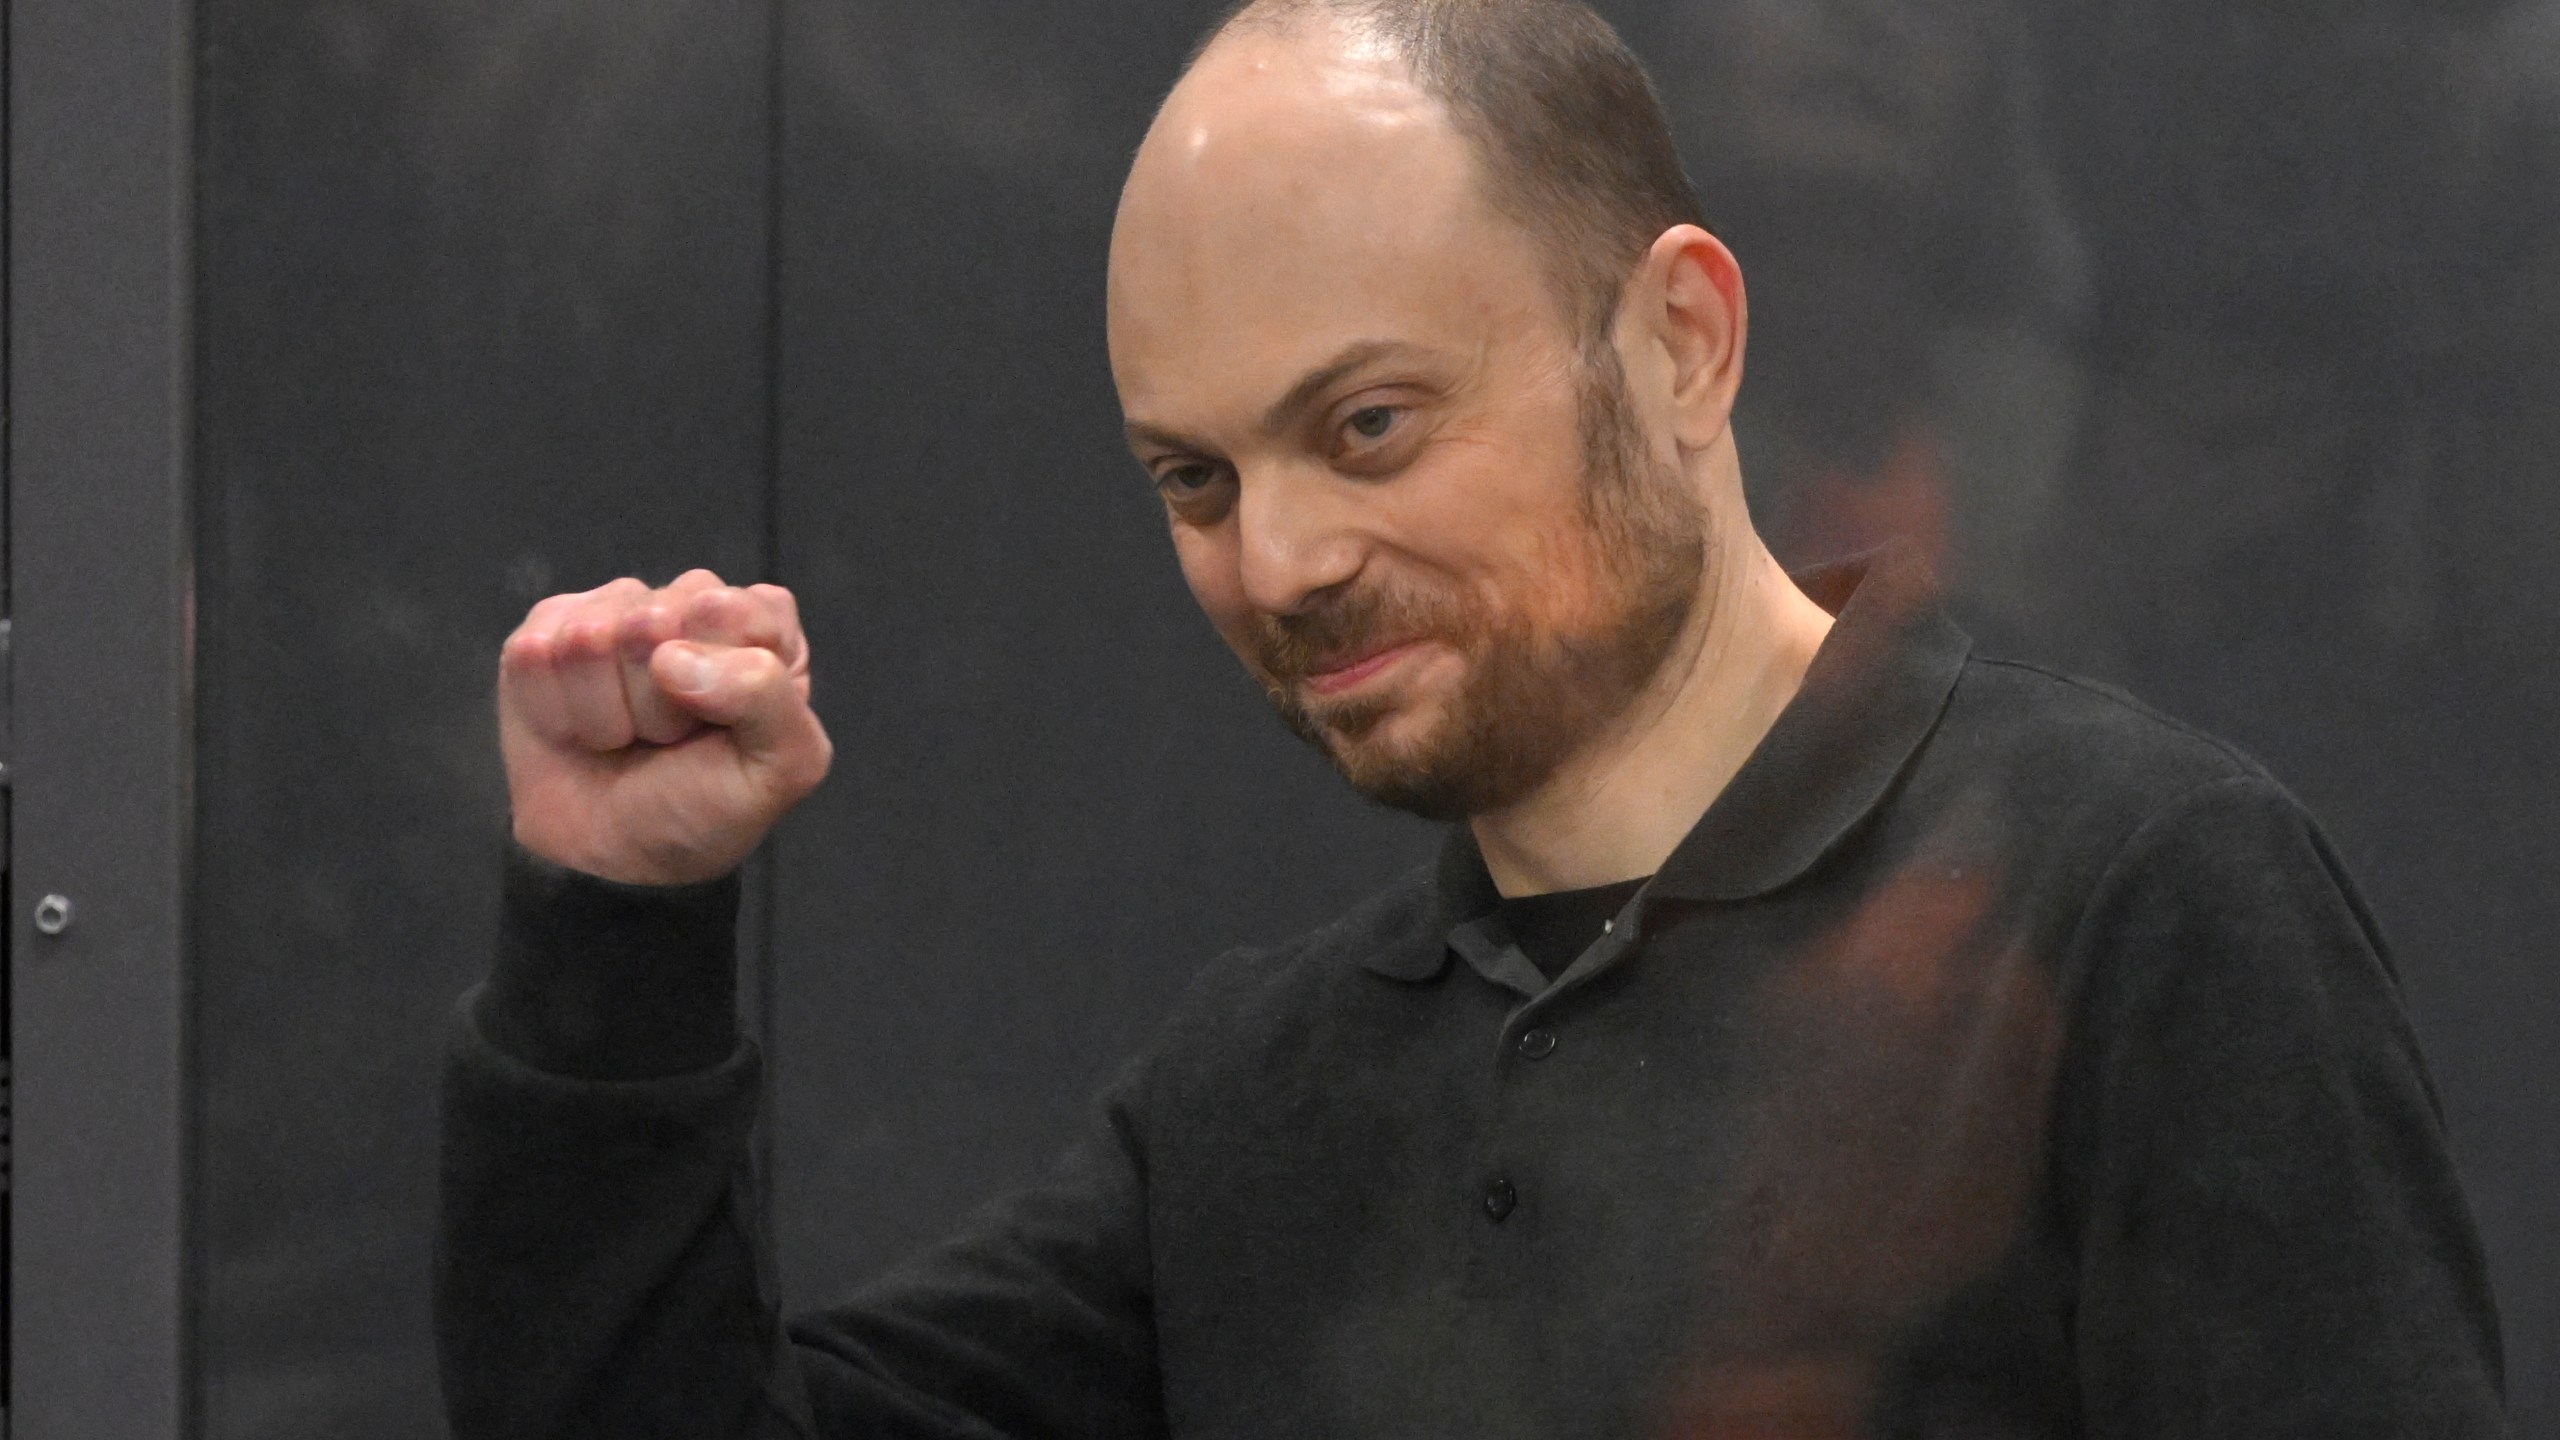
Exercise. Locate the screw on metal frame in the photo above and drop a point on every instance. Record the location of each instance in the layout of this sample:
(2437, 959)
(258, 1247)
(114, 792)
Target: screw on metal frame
(53, 914)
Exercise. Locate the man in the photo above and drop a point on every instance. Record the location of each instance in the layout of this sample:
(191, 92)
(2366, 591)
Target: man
(1809, 1030)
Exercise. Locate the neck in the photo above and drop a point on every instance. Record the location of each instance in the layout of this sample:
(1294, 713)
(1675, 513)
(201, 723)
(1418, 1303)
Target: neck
(1616, 809)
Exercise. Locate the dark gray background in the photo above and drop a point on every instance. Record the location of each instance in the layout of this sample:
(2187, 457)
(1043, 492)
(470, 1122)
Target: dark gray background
(2214, 345)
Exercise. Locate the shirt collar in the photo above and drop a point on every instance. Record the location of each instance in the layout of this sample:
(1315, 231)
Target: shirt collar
(1873, 693)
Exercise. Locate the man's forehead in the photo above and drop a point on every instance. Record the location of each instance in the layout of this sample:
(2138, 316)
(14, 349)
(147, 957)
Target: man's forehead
(1304, 130)
(1313, 73)
(1298, 194)
(1218, 341)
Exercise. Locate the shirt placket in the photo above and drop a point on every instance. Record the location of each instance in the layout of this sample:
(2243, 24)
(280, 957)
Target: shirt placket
(1510, 1162)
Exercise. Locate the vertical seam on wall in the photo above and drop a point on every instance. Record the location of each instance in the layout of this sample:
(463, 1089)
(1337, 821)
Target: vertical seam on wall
(776, 28)
(186, 266)
(8, 722)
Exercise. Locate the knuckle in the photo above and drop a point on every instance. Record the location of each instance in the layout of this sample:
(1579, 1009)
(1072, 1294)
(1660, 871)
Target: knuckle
(585, 637)
(647, 622)
(547, 611)
(809, 764)
(525, 650)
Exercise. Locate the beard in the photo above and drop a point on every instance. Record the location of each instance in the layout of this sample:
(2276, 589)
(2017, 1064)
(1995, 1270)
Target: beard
(1531, 696)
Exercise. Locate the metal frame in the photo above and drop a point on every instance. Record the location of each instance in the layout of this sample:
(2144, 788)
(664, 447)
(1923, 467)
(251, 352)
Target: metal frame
(100, 224)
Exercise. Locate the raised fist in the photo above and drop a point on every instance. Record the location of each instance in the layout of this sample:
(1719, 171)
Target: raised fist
(654, 736)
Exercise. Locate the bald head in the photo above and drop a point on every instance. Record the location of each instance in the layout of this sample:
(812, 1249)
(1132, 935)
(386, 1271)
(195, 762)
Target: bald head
(1303, 179)
(1302, 197)
(1341, 122)
(1569, 137)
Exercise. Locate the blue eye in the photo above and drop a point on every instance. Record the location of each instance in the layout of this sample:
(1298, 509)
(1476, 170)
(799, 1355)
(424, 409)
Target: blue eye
(1374, 422)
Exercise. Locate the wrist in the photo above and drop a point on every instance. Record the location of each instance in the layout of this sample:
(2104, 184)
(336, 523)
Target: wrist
(604, 979)
(632, 867)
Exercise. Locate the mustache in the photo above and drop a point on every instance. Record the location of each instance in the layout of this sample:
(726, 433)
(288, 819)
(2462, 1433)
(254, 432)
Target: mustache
(1344, 627)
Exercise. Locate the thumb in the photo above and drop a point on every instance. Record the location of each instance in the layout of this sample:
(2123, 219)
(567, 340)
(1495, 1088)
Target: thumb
(750, 692)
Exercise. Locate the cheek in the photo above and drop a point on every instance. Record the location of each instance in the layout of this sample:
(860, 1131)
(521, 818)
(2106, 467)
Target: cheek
(1538, 566)
(1569, 586)
(1502, 507)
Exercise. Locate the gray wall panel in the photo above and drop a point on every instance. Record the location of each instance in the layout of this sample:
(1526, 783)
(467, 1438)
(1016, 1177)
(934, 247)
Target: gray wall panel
(484, 311)
(99, 376)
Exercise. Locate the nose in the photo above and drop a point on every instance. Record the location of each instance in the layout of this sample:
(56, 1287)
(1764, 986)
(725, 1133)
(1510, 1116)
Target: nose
(1298, 535)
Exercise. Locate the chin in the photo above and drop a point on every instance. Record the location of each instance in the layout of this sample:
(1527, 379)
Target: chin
(1403, 764)
(1406, 748)
(1379, 731)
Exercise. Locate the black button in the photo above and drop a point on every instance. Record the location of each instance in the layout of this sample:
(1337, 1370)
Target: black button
(1538, 1044)
(1499, 1197)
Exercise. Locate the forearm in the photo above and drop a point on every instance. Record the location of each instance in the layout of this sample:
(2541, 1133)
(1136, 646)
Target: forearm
(597, 1266)
(598, 1269)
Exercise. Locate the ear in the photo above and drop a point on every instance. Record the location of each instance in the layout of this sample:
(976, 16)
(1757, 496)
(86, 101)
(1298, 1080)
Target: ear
(1687, 297)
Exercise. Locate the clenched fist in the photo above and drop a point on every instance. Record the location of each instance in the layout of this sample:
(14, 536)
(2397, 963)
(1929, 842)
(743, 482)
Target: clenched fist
(654, 736)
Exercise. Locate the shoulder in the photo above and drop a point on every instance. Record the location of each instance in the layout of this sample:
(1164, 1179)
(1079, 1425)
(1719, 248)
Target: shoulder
(2171, 869)
(2073, 772)
(2104, 818)
(2097, 740)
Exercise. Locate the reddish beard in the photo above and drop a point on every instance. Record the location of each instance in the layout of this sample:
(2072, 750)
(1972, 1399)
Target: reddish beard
(1531, 697)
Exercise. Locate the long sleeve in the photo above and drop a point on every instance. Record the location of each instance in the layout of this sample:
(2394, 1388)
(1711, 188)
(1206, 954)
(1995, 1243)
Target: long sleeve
(2271, 1239)
(600, 1272)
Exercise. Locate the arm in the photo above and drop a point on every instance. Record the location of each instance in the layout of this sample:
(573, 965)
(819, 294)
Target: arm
(599, 1267)
(596, 1263)
(2272, 1240)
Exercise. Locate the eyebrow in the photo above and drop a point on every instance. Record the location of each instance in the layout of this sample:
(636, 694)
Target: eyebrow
(1293, 405)
(1290, 408)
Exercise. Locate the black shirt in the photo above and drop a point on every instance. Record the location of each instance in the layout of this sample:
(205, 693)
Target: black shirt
(1554, 928)
(1993, 1058)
